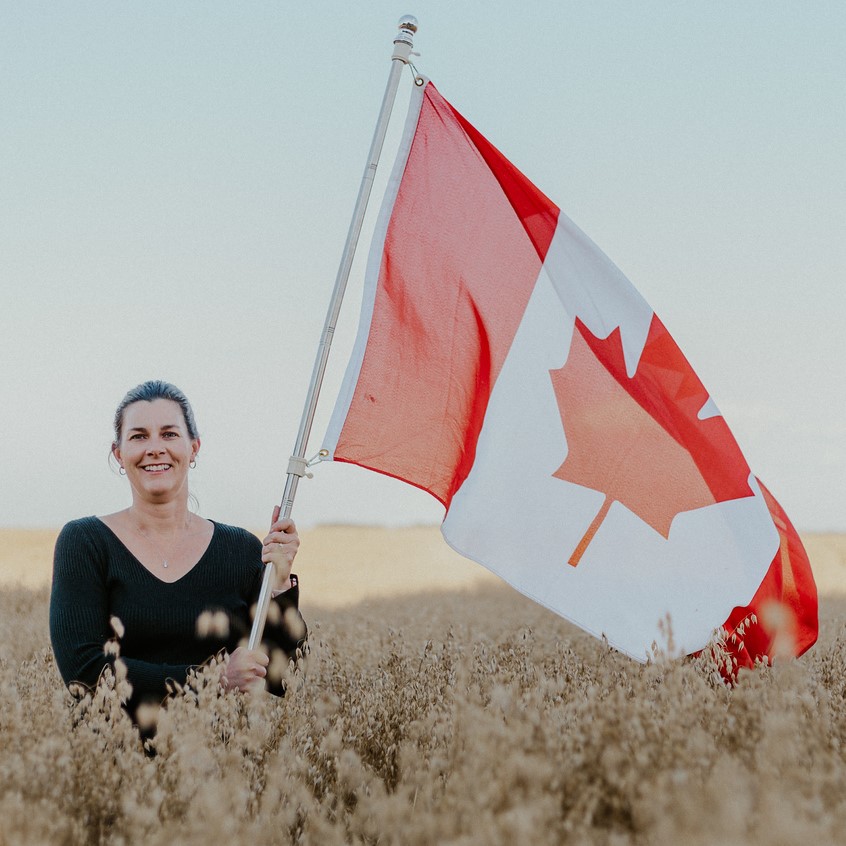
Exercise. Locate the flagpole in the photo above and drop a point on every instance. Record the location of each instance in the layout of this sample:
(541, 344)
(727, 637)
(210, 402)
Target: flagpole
(297, 464)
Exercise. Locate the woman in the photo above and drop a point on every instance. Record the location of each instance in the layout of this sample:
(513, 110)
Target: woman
(163, 571)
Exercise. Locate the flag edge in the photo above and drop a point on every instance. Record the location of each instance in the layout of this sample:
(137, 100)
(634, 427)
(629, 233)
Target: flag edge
(371, 274)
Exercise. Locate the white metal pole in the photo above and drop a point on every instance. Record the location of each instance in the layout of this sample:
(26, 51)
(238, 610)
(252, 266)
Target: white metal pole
(403, 43)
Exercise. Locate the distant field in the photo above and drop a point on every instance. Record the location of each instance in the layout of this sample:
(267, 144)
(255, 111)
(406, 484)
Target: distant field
(437, 706)
(342, 565)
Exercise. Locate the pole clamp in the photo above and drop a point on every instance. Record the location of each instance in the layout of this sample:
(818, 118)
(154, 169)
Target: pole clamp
(297, 467)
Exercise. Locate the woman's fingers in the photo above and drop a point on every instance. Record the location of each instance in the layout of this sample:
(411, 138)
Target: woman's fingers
(281, 554)
(244, 668)
(286, 524)
(280, 548)
(283, 528)
(277, 539)
(281, 543)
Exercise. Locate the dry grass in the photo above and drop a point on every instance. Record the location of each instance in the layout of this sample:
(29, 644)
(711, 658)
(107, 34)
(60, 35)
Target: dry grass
(465, 716)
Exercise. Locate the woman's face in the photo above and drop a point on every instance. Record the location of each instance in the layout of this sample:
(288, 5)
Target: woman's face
(155, 448)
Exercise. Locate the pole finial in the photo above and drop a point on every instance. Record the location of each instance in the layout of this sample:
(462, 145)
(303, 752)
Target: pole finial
(407, 27)
(408, 22)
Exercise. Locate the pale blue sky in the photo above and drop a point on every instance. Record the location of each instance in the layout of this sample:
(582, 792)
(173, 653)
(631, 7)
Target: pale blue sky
(177, 180)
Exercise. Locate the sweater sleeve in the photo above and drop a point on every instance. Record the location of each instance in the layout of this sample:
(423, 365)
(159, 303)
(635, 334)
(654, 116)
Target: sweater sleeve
(80, 619)
(287, 630)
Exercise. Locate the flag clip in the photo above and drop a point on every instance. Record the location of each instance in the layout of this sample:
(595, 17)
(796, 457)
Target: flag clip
(419, 79)
(316, 459)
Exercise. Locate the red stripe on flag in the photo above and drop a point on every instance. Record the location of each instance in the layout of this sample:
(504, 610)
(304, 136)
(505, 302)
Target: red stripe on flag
(466, 241)
(784, 606)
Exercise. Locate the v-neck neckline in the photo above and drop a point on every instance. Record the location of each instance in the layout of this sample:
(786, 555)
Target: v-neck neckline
(146, 569)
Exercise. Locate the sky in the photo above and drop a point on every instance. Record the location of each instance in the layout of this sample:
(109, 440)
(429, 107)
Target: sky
(177, 182)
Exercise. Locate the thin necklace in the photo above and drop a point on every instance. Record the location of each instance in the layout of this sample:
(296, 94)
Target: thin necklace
(155, 546)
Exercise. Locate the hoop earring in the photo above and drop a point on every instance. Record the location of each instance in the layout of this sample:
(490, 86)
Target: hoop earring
(122, 471)
(192, 463)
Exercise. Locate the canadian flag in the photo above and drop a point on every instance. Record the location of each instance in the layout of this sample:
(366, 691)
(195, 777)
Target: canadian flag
(505, 365)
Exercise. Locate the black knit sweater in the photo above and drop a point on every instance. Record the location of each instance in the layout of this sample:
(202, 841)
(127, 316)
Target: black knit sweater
(95, 577)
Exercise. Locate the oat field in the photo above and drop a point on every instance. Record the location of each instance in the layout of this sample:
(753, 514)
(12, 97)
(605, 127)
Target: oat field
(435, 707)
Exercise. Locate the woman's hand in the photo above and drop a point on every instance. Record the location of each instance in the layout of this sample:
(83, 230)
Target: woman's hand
(245, 670)
(280, 546)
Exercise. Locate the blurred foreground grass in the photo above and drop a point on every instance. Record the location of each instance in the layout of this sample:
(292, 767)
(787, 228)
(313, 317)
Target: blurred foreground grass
(464, 717)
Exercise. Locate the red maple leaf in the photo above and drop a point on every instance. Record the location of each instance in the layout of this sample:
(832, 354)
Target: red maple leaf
(639, 440)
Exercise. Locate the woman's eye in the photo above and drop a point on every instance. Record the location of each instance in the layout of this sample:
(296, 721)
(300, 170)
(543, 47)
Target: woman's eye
(135, 437)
